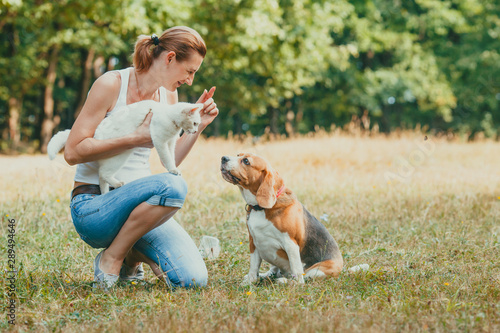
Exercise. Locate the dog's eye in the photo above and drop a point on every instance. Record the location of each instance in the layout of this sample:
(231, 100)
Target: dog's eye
(195, 124)
(246, 161)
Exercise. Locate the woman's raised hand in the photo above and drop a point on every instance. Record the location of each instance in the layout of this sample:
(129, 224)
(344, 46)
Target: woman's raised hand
(209, 111)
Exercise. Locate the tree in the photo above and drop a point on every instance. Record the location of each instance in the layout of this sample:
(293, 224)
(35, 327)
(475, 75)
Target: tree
(279, 65)
(267, 52)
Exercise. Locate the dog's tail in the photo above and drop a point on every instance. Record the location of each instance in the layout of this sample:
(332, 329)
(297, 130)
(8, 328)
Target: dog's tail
(57, 143)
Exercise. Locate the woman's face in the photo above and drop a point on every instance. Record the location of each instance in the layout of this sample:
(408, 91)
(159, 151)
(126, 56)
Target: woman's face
(180, 72)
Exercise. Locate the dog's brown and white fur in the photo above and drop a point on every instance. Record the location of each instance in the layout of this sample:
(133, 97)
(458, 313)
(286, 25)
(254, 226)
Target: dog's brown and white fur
(283, 233)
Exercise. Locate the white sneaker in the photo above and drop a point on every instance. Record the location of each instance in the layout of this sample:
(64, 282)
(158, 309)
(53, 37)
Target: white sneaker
(103, 280)
(128, 273)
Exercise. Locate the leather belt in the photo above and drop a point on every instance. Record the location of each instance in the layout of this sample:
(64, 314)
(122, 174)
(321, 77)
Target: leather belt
(87, 189)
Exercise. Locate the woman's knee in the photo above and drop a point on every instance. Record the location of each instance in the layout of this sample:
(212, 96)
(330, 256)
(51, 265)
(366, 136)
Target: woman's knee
(194, 277)
(171, 190)
(176, 255)
(178, 186)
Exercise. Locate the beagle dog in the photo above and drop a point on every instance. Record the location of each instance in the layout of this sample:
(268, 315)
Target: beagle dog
(281, 230)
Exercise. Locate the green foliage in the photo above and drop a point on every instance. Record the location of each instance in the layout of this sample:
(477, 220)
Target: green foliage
(400, 63)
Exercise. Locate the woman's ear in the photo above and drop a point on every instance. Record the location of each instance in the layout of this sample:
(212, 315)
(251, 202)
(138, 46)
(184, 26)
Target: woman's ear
(266, 198)
(170, 57)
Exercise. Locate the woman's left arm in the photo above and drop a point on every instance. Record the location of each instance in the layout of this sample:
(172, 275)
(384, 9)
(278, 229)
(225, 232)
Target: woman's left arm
(208, 114)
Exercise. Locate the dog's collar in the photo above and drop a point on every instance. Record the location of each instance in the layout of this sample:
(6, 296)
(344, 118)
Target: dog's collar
(249, 208)
(280, 191)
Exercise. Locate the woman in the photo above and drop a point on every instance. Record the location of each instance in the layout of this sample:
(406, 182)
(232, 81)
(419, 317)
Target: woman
(134, 222)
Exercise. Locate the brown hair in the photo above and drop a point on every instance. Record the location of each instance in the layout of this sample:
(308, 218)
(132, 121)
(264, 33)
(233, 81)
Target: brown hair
(181, 40)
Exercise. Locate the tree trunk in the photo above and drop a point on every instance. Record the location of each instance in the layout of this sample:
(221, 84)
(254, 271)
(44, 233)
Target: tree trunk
(273, 119)
(85, 82)
(236, 121)
(216, 126)
(14, 124)
(48, 104)
(98, 62)
(112, 62)
(299, 118)
(289, 124)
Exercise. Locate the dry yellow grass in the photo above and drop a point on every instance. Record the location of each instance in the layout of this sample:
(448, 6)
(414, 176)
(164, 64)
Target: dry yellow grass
(423, 214)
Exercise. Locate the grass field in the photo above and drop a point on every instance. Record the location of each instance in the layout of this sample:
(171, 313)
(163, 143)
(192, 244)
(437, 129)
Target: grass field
(425, 215)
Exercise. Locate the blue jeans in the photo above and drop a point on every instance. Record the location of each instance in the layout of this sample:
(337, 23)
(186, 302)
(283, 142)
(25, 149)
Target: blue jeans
(99, 218)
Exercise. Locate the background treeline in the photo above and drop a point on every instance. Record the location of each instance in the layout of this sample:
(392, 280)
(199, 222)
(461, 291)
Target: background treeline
(280, 66)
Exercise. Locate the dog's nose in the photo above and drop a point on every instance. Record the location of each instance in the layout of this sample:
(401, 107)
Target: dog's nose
(224, 159)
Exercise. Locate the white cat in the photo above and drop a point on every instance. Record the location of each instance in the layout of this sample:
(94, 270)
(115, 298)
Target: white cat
(166, 124)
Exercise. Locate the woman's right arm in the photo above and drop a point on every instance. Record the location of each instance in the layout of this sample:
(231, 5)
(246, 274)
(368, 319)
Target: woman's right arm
(81, 146)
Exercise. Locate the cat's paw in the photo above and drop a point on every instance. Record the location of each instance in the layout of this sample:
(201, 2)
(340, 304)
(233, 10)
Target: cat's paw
(116, 184)
(175, 172)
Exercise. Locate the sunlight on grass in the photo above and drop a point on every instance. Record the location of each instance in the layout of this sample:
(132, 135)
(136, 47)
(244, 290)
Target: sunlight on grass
(423, 214)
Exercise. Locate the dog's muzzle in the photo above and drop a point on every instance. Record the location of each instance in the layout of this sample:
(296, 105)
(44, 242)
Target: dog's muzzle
(226, 174)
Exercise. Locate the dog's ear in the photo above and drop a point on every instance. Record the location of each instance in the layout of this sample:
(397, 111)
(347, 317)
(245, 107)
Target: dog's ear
(266, 198)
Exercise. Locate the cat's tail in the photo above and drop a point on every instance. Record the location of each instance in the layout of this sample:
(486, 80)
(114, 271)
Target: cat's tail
(57, 143)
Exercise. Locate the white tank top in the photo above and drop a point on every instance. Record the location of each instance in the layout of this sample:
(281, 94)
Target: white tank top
(137, 166)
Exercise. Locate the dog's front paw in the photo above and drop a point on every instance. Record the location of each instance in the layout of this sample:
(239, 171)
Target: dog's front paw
(298, 278)
(270, 274)
(248, 280)
(175, 172)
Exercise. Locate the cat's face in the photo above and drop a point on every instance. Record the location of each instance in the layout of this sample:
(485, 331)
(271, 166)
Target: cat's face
(191, 119)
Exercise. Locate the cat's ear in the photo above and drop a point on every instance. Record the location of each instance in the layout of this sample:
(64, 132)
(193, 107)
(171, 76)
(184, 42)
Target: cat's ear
(198, 107)
(190, 110)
